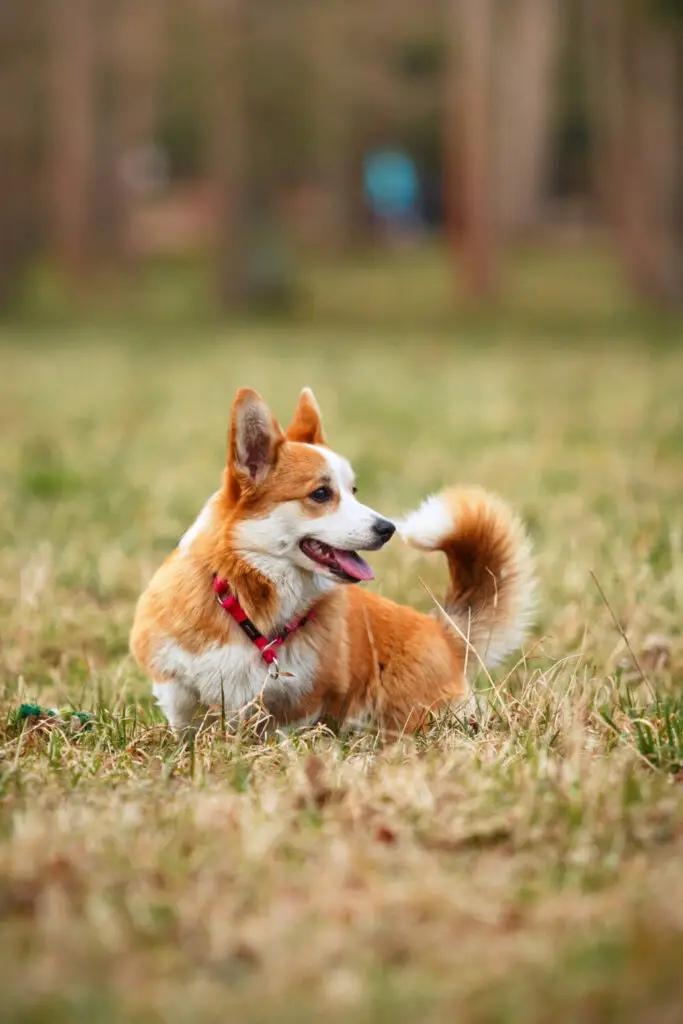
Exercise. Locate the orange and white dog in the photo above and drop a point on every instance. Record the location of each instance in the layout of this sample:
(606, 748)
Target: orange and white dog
(252, 602)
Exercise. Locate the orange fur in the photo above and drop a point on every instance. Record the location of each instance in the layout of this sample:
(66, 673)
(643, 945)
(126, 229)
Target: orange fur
(383, 661)
(306, 423)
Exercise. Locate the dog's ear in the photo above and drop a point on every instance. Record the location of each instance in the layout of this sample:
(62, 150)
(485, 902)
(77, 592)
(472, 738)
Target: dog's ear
(307, 423)
(255, 439)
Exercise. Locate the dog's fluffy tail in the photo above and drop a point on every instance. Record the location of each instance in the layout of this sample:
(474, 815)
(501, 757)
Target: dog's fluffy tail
(492, 588)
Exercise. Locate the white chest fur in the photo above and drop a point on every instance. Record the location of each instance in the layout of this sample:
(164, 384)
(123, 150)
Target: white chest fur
(237, 669)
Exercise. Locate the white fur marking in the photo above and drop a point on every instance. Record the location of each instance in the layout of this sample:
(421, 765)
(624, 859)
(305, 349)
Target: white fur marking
(429, 525)
(235, 668)
(200, 524)
(340, 467)
(179, 703)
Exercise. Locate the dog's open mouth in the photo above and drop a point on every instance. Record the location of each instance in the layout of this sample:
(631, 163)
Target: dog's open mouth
(347, 565)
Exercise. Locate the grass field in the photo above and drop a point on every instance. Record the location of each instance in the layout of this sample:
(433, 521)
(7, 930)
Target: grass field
(528, 871)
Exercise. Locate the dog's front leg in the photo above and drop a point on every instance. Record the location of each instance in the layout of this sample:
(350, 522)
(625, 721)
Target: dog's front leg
(180, 704)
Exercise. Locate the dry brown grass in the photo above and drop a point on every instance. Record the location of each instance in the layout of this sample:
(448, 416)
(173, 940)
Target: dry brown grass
(529, 870)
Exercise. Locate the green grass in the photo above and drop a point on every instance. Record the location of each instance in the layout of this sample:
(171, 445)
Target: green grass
(527, 871)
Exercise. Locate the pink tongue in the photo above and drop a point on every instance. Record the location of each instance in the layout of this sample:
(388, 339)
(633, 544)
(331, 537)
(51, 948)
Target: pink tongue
(353, 564)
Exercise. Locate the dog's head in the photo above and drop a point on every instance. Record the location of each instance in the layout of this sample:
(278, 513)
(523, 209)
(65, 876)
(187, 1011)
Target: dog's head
(293, 500)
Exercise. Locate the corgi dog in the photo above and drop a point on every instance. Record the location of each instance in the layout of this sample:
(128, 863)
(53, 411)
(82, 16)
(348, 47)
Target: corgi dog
(260, 598)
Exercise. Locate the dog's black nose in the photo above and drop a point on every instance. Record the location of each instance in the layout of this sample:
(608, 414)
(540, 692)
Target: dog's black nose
(384, 529)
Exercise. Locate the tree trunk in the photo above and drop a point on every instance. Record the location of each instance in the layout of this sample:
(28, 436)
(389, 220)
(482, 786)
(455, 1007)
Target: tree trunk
(526, 59)
(635, 67)
(73, 96)
(469, 142)
(20, 168)
(330, 100)
(135, 56)
(226, 41)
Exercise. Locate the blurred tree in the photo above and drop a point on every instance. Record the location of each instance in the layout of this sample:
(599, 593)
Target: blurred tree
(72, 125)
(132, 47)
(635, 50)
(469, 142)
(571, 176)
(182, 121)
(225, 37)
(21, 165)
(525, 68)
(106, 200)
(331, 112)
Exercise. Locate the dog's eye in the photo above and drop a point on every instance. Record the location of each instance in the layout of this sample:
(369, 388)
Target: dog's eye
(354, 490)
(321, 494)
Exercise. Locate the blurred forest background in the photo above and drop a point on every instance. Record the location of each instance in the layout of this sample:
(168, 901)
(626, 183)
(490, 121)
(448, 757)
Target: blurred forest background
(239, 131)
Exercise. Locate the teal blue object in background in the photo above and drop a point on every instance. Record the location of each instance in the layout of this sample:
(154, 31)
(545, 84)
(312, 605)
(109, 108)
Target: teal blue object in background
(391, 184)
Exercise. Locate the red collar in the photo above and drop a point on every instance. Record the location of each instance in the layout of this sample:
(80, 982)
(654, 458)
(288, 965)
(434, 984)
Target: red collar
(233, 607)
